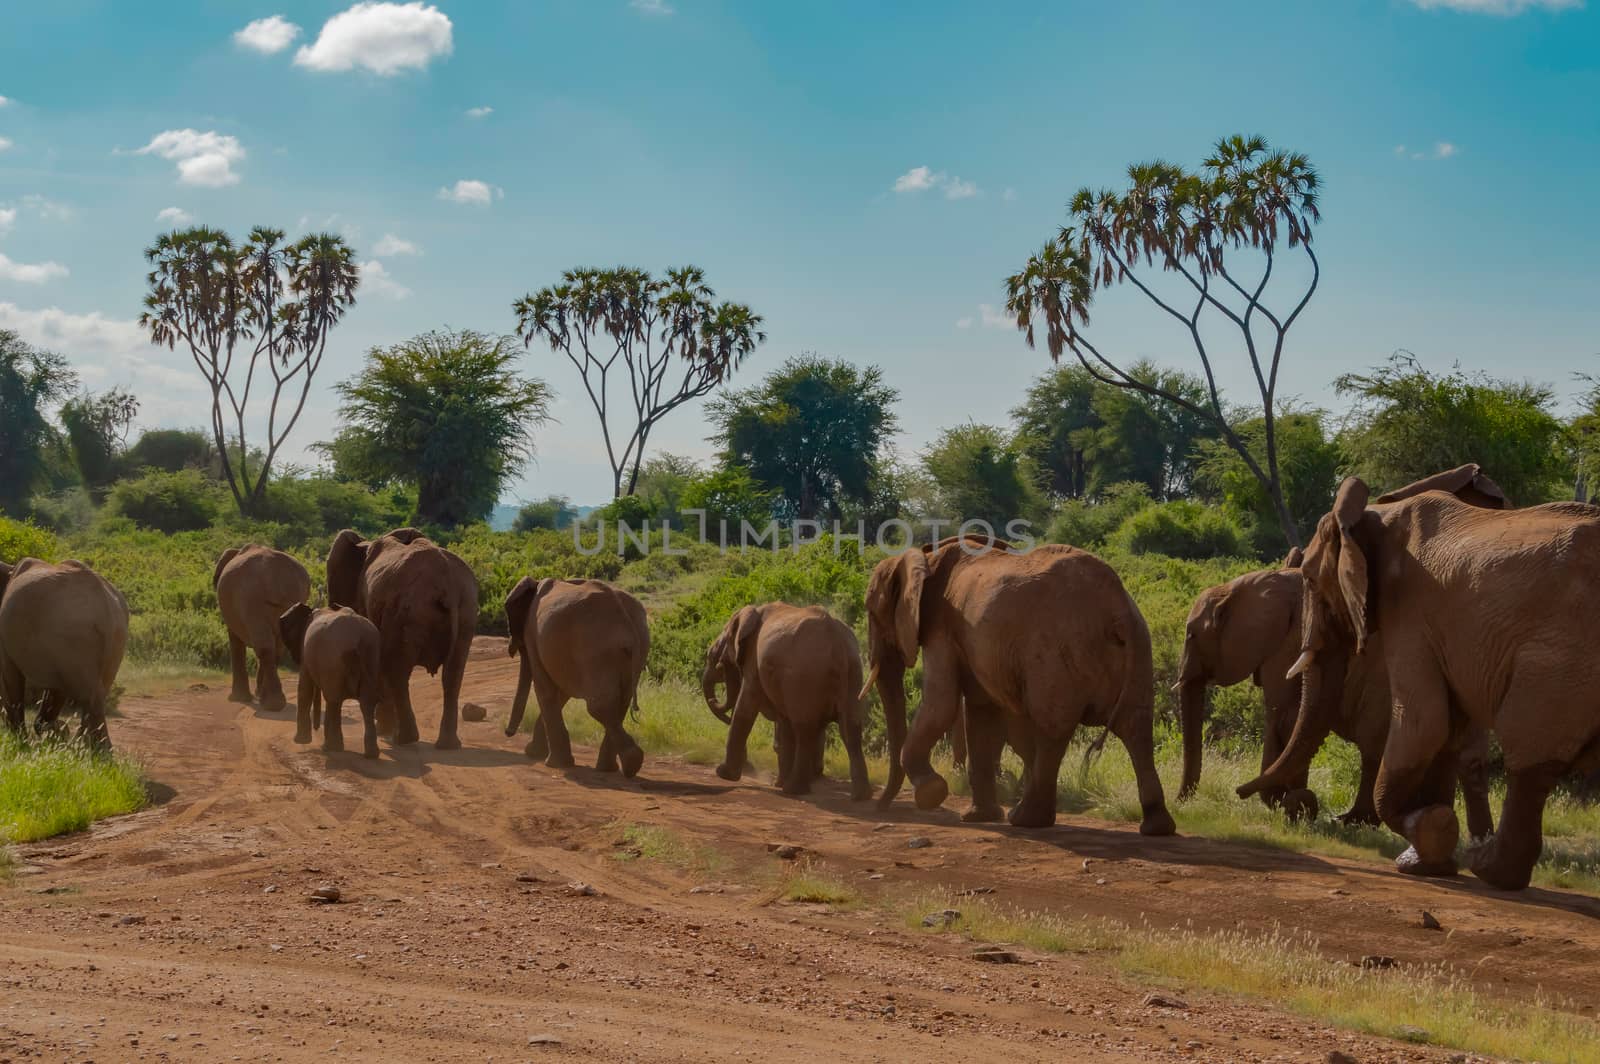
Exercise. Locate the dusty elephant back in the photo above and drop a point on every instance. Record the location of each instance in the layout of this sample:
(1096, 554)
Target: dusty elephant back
(65, 627)
(588, 635)
(807, 660)
(345, 644)
(423, 598)
(254, 587)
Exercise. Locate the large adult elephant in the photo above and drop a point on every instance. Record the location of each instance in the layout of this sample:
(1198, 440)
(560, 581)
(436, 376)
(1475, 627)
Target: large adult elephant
(1249, 628)
(578, 639)
(801, 669)
(63, 630)
(1487, 620)
(1036, 643)
(255, 585)
(424, 601)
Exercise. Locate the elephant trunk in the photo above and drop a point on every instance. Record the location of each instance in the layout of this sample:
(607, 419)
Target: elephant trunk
(708, 687)
(1321, 688)
(892, 693)
(1191, 719)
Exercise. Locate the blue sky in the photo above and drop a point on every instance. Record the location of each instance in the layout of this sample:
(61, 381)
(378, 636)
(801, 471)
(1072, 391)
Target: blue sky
(1458, 140)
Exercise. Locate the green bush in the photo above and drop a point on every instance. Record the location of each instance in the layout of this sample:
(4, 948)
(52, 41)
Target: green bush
(19, 539)
(500, 559)
(168, 502)
(64, 512)
(47, 788)
(170, 450)
(315, 509)
(178, 637)
(1181, 529)
(554, 512)
(1086, 524)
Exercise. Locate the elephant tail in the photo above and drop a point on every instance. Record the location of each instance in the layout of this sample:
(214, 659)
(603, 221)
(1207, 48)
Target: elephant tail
(1130, 633)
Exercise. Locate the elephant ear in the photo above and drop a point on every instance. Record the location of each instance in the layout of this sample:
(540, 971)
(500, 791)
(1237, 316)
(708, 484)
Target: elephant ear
(292, 627)
(1293, 559)
(744, 635)
(518, 605)
(5, 578)
(912, 571)
(346, 558)
(407, 536)
(1469, 483)
(222, 563)
(1348, 509)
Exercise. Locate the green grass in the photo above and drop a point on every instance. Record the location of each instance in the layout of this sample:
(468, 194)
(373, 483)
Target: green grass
(810, 883)
(51, 787)
(636, 842)
(1421, 1004)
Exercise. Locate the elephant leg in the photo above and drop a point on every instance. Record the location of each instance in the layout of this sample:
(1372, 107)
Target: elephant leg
(1506, 861)
(801, 772)
(1365, 809)
(941, 700)
(1135, 732)
(850, 735)
(1019, 735)
(606, 759)
(745, 712)
(960, 737)
(369, 727)
(821, 758)
(558, 740)
(1472, 772)
(93, 728)
(455, 669)
(333, 724)
(985, 742)
(1037, 809)
(1272, 744)
(305, 700)
(629, 754)
(397, 689)
(783, 742)
(241, 675)
(269, 690)
(1416, 737)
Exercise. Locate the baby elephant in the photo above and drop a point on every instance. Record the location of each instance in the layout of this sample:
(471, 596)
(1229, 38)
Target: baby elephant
(338, 655)
(799, 668)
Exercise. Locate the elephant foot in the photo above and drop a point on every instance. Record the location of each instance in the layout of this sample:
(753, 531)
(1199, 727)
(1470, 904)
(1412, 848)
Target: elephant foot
(931, 791)
(605, 764)
(447, 742)
(1433, 833)
(797, 785)
(632, 761)
(273, 703)
(1027, 814)
(861, 792)
(1410, 864)
(535, 753)
(731, 773)
(302, 735)
(984, 814)
(1494, 867)
(555, 760)
(1158, 822)
(404, 736)
(539, 746)
(1300, 804)
(332, 748)
(240, 697)
(370, 751)
(1359, 816)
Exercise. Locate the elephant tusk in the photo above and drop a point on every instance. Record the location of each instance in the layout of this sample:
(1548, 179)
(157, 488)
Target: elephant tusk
(872, 678)
(1177, 687)
(1301, 664)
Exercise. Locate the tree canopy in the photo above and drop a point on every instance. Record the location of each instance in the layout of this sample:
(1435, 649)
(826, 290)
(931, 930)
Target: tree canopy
(1308, 458)
(32, 382)
(813, 432)
(445, 411)
(981, 473)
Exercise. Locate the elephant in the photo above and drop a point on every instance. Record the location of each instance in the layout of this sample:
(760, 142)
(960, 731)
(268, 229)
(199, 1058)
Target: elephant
(1249, 627)
(801, 669)
(1036, 644)
(63, 630)
(340, 658)
(1486, 620)
(424, 601)
(254, 585)
(577, 639)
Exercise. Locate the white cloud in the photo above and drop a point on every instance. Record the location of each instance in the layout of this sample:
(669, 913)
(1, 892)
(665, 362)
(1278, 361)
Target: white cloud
(479, 112)
(989, 316)
(384, 38)
(30, 272)
(3, 101)
(376, 279)
(476, 193)
(5, 143)
(652, 7)
(8, 218)
(1442, 149)
(1499, 7)
(47, 209)
(174, 216)
(922, 178)
(267, 35)
(389, 245)
(204, 159)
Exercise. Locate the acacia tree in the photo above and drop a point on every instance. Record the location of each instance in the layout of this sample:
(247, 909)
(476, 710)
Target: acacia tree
(31, 382)
(666, 336)
(239, 308)
(1222, 233)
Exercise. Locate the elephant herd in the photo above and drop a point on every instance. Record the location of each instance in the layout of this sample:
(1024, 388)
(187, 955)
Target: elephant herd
(1415, 625)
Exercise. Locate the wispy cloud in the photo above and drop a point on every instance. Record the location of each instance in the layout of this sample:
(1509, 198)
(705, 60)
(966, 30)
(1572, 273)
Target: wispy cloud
(658, 8)
(384, 38)
(174, 216)
(988, 316)
(45, 207)
(1499, 7)
(8, 218)
(479, 112)
(922, 178)
(376, 279)
(4, 101)
(474, 193)
(30, 272)
(390, 245)
(204, 159)
(268, 35)
(5, 143)
(1442, 149)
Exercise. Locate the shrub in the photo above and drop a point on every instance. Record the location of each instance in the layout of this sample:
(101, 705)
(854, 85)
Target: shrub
(178, 637)
(67, 511)
(168, 502)
(554, 512)
(1089, 524)
(170, 450)
(314, 509)
(20, 540)
(1180, 529)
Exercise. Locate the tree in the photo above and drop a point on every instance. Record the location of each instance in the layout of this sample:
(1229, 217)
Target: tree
(728, 494)
(1308, 458)
(171, 450)
(447, 412)
(1408, 423)
(1055, 424)
(811, 431)
(97, 433)
(31, 382)
(983, 474)
(238, 309)
(552, 512)
(1582, 439)
(1220, 233)
(666, 336)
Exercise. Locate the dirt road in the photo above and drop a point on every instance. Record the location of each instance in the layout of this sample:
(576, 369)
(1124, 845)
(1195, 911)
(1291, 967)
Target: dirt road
(185, 932)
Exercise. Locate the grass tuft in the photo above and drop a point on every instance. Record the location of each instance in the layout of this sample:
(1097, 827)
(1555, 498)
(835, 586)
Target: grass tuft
(655, 843)
(811, 884)
(48, 787)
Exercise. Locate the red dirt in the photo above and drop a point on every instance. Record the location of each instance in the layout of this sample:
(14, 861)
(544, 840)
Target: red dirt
(185, 932)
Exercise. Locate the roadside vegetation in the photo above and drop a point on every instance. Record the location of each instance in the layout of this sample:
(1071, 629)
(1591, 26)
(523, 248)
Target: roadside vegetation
(51, 786)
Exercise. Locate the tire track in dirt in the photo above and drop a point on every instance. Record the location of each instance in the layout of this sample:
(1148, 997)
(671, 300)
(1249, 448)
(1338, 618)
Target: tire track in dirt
(457, 937)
